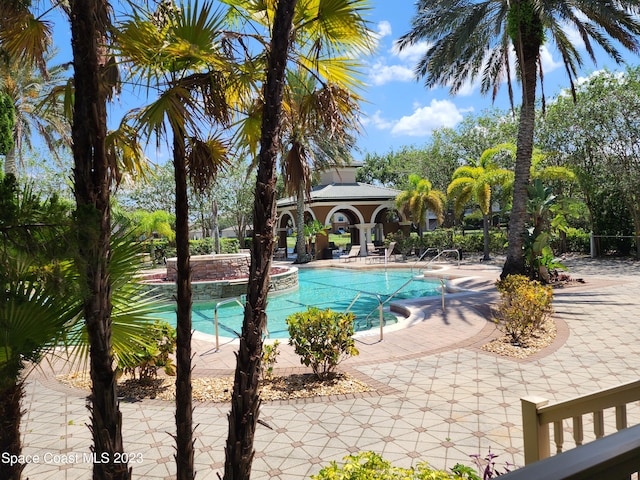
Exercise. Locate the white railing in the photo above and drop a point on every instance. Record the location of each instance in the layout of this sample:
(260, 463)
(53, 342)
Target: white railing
(614, 457)
(537, 415)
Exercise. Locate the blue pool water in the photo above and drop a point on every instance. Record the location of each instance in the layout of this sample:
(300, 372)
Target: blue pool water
(323, 288)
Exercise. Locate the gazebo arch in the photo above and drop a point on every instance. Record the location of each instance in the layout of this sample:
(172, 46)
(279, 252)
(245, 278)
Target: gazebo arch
(343, 207)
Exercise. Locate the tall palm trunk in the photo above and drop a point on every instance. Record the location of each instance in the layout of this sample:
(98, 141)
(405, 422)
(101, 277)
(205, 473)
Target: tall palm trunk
(89, 20)
(10, 164)
(527, 53)
(245, 400)
(301, 244)
(485, 234)
(184, 402)
(10, 415)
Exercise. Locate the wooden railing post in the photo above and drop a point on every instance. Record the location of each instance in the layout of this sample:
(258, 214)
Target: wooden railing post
(536, 436)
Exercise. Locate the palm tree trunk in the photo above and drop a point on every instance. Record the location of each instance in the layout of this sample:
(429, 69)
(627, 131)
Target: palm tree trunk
(184, 401)
(485, 234)
(10, 416)
(93, 216)
(245, 399)
(215, 225)
(300, 240)
(10, 164)
(528, 59)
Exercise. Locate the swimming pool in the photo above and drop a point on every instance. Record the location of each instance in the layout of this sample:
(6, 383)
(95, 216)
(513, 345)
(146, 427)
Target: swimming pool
(333, 288)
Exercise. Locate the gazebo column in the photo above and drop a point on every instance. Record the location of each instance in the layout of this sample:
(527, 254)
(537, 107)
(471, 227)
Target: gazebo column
(379, 232)
(365, 236)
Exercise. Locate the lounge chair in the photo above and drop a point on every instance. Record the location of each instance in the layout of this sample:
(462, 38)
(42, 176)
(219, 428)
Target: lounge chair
(353, 253)
(384, 256)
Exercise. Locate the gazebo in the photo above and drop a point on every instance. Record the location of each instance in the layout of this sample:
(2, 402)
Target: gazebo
(365, 211)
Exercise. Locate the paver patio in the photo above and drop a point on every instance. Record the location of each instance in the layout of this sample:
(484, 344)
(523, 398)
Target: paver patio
(438, 396)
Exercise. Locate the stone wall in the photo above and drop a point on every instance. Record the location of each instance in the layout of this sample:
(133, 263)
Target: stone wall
(203, 291)
(213, 267)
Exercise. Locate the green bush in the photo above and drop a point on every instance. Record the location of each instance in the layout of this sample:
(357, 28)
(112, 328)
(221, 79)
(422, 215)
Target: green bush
(322, 338)
(470, 242)
(440, 238)
(578, 241)
(206, 246)
(524, 306)
(371, 466)
(154, 353)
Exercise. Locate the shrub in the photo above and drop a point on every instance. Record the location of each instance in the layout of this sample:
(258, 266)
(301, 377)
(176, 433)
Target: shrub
(269, 357)
(578, 241)
(524, 306)
(371, 466)
(155, 352)
(322, 338)
(205, 246)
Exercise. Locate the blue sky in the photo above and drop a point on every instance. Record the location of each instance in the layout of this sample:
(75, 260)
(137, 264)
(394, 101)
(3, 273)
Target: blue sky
(398, 109)
(401, 111)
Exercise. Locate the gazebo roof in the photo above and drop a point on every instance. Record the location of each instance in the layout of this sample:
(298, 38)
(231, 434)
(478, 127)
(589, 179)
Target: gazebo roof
(345, 192)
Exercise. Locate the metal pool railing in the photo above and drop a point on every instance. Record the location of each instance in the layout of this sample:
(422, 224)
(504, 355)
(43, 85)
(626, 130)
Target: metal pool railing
(382, 302)
(379, 307)
(240, 301)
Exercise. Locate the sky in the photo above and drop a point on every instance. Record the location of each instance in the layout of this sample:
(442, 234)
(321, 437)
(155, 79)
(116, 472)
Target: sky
(398, 110)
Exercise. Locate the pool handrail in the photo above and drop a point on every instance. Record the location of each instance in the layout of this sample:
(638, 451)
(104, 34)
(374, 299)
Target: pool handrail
(241, 300)
(379, 307)
(430, 249)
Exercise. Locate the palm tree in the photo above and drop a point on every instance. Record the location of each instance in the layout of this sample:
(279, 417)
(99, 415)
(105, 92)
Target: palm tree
(326, 41)
(474, 182)
(24, 37)
(245, 398)
(35, 99)
(470, 40)
(318, 123)
(179, 49)
(93, 177)
(418, 199)
(33, 321)
(150, 224)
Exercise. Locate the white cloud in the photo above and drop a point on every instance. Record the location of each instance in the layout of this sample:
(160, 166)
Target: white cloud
(548, 63)
(411, 53)
(377, 121)
(439, 113)
(380, 74)
(384, 29)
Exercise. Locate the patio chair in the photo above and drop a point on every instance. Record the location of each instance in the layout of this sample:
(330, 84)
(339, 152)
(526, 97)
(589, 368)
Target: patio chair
(384, 256)
(353, 253)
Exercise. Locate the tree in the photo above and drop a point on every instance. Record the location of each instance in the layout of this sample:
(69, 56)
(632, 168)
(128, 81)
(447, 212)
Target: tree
(326, 41)
(7, 121)
(245, 399)
(317, 134)
(39, 109)
(150, 224)
(474, 182)
(93, 177)
(597, 137)
(418, 199)
(24, 37)
(491, 30)
(234, 193)
(179, 50)
(156, 193)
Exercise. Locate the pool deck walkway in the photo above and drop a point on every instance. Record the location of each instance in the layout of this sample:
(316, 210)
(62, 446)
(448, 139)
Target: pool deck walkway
(438, 396)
